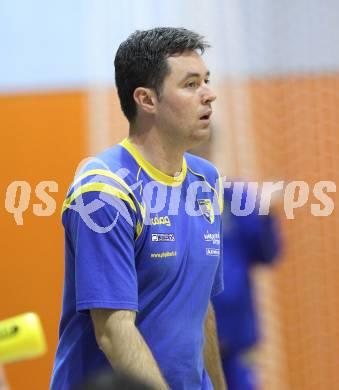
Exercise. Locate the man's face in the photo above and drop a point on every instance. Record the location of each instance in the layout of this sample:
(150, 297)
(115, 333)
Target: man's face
(184, 109)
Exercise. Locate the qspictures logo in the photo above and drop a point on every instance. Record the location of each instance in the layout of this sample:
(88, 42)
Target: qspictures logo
(18, 199)
(247, 198)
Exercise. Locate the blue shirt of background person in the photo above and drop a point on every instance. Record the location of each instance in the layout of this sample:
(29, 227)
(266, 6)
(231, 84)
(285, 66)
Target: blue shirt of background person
(247, 241)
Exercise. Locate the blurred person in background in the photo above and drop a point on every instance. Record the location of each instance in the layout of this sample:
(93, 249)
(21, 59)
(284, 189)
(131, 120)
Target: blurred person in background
(137, 286)
(248, 241)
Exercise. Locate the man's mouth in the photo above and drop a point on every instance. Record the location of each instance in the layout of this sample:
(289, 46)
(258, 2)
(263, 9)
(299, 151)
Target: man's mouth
(206, 116)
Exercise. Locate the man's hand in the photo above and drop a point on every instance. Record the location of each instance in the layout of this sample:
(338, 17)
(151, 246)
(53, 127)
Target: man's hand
(124, 347)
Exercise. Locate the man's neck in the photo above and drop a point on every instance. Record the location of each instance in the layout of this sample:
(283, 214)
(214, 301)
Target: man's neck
(162, 154)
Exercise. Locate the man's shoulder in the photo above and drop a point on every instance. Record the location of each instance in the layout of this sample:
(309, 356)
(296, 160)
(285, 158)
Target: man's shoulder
(114, 163)
(111, 171)
(113, 159)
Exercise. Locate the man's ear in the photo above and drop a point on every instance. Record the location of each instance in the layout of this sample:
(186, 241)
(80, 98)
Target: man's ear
(145, 99)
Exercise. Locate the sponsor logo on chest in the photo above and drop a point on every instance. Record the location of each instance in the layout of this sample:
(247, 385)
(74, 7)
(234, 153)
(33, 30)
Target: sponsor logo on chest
(163, 237)
(214, 238)
(212, 251)
(161, 221)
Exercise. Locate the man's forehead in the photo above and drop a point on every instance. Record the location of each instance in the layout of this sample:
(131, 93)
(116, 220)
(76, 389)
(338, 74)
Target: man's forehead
(185, 63)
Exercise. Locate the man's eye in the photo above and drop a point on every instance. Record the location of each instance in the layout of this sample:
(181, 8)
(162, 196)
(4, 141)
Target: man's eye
(192, 84)
(207, 81)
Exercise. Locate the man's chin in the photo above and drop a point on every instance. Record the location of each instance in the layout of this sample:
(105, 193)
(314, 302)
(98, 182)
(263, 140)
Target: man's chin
(202, 134)
(200, 142)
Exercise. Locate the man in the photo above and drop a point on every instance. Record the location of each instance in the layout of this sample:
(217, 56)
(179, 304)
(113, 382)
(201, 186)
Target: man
(247, 241)
(139, 271)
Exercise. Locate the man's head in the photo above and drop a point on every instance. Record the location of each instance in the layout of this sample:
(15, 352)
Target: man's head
(141, 61)
(161, 77)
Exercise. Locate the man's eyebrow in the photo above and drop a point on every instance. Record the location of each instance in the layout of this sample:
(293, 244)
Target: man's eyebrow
(194, 74)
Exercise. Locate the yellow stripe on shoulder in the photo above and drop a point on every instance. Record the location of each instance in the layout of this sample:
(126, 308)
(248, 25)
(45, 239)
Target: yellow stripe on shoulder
(98, 187)
(118, 179)
(102, 172)
(113, 191)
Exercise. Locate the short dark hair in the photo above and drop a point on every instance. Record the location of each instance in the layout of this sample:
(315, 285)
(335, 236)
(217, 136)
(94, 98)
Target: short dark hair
(141, 61)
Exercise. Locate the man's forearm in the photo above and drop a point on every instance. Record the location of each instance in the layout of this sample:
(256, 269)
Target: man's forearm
(212, 353)
(126, 350)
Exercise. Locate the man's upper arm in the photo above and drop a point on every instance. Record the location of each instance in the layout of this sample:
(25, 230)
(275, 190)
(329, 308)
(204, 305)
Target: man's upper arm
(102, 230)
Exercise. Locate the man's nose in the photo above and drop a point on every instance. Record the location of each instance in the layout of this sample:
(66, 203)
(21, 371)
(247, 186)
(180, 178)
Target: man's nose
(208, 96)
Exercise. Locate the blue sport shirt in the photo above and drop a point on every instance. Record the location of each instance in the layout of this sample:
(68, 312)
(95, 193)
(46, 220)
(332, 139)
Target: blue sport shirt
(138, 239)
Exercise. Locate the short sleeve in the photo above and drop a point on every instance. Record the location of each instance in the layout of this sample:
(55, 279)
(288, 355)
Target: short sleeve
(103, 242)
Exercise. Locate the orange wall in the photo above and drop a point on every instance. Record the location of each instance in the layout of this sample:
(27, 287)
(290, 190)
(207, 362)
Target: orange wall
(296, 122)
(42, 139)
